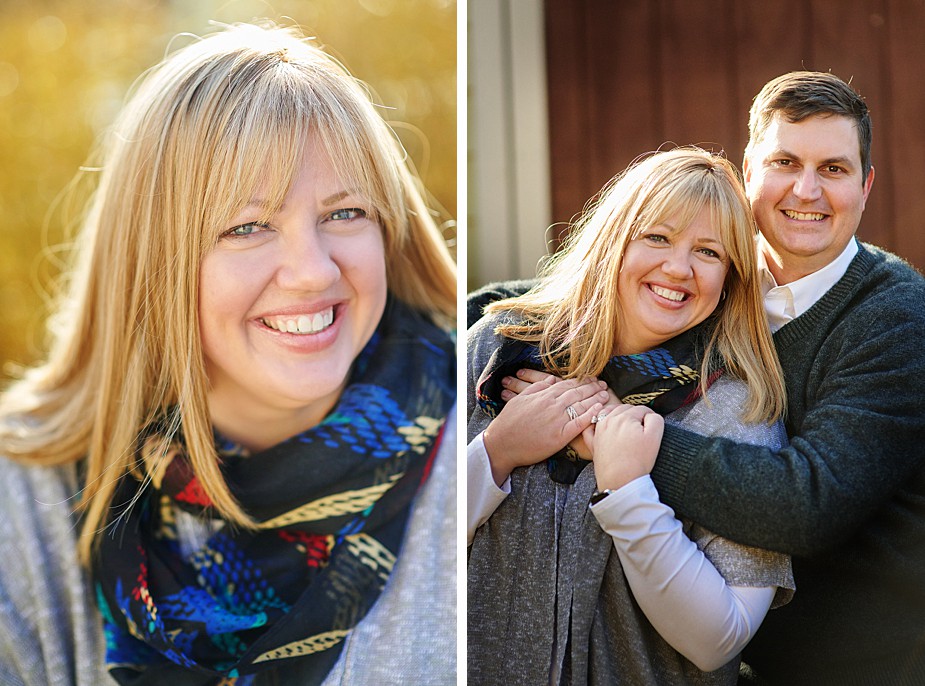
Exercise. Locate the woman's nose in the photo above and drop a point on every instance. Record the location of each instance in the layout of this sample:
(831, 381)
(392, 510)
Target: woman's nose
(677, 264)
(308, 262)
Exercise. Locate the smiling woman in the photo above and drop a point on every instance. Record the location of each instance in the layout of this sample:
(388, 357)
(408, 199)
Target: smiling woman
(249, 397)
(656, 294)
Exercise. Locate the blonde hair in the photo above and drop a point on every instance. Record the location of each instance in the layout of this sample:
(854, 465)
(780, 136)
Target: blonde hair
(573, 315)
(216, 121)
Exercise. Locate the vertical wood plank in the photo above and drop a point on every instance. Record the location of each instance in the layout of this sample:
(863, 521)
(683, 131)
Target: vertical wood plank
(903, 180)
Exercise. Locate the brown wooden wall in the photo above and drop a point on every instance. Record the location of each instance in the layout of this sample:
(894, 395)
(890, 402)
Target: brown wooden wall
(628, 76)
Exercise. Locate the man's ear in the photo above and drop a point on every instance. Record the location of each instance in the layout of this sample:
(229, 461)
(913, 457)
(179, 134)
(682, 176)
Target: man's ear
(867, 186)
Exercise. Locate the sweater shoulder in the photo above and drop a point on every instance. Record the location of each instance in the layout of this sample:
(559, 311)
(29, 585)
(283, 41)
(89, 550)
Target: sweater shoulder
(879, 295)
(36, 489)
(887, 272)
(482, 340)
(888, 299)
(49, 625)
(720, 415)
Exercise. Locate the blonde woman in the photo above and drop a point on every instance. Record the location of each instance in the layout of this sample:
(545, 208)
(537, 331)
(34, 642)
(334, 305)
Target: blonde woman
(236, 464)
(577, 573)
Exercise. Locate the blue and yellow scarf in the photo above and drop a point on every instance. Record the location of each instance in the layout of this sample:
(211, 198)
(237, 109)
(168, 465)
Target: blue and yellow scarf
(331, 504)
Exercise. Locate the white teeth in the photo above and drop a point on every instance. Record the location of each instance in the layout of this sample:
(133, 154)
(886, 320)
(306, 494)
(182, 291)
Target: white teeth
(303, 324)
(677, 296)
(805, 216)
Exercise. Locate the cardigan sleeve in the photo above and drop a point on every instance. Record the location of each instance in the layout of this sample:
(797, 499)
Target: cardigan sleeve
(482, 493)
(696, 610)
(856, 430)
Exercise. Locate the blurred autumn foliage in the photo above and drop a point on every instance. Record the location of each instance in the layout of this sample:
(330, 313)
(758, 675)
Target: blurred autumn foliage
(66, 66)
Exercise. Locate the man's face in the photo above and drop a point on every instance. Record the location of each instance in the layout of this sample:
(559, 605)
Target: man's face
(807, 190)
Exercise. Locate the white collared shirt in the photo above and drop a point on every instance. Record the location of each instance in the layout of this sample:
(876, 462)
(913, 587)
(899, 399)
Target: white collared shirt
(787, 302)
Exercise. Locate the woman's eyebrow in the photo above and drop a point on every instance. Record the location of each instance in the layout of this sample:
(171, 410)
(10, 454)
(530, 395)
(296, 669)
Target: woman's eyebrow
(336, 197)
(262, 204)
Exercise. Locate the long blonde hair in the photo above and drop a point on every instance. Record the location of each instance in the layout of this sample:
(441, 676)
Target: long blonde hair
(205, 129)
(573, 314)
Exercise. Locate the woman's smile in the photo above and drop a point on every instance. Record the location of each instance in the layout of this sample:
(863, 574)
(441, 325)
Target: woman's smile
(669, 294)
(301, 324)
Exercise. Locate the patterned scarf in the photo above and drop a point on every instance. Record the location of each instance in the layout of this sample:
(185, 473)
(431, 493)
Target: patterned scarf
(331, 503)
(664, 378)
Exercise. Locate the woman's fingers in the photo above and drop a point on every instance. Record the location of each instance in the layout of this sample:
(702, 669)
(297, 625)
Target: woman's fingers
(625, 444)
(628, 412)
(654, 423)
(577, 389)
(532, 375)
(583, 409)
(513, 386)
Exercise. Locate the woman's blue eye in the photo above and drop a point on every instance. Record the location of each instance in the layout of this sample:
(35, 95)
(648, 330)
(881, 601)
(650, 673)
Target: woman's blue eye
(655, 238)
(347, 213)
(244, 230)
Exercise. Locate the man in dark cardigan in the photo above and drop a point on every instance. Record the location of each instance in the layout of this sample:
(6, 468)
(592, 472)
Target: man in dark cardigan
(846, 498)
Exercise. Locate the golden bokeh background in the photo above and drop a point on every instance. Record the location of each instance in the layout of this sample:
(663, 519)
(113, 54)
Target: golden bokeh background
(66, 66)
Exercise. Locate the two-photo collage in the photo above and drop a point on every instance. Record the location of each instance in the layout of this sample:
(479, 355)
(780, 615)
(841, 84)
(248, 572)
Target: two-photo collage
(261, 256)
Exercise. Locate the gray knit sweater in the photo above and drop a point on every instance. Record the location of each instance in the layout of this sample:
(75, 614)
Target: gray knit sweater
(51, 632)
(846, 498)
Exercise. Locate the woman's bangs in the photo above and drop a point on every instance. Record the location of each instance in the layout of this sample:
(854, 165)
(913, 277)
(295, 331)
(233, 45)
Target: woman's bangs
(260, 157)
(733, 217)
(348, 149)
(677, 208)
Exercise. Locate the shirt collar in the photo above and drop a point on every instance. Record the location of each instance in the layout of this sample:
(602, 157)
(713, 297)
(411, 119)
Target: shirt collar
(803, 293)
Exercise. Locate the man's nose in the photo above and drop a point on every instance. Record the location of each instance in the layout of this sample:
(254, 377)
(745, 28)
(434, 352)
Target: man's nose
(807, 186)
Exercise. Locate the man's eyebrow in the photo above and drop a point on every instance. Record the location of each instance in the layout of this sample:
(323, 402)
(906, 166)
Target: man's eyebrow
(840, 160)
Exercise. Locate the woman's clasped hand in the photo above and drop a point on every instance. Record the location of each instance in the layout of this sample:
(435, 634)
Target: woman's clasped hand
(536, 422)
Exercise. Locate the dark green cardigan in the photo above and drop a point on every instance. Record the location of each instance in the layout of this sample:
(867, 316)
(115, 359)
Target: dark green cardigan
(847, 498)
